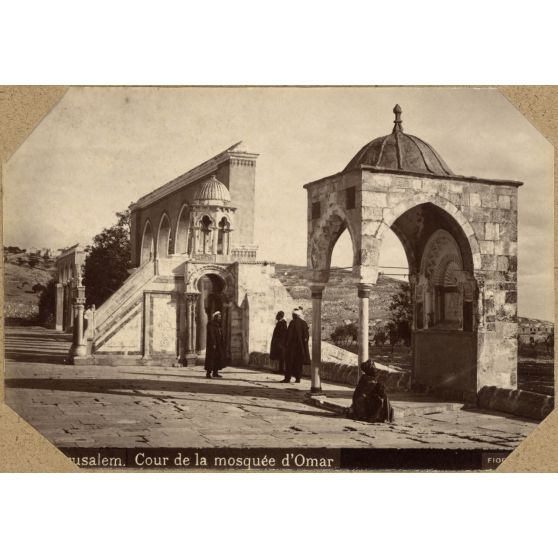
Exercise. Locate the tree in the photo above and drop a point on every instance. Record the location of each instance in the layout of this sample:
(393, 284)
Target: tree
(38, 288)
(401, 309)
(47, 303)
(108, 260)
(380, 337)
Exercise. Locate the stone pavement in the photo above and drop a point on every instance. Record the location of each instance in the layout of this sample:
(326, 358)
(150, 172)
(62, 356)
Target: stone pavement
(135, 406)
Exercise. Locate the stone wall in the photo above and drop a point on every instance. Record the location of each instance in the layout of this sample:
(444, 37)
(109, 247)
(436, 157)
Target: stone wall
(339, 367)
(516, 402)
(445, 359)
(260, 295)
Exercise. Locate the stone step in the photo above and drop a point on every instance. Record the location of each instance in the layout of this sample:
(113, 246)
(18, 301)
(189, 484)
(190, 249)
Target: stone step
(401, 409)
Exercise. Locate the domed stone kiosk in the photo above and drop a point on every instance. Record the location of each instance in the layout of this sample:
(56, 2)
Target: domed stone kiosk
(460, 238)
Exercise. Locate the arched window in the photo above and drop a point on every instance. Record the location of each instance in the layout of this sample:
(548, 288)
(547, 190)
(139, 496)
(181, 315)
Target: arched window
(147, 244)
(163, 237)
(181, 244)
(223, 236)
(205, 229)
(449, 292)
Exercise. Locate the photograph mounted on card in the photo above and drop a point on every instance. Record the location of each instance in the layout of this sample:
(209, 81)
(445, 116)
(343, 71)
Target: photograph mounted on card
(280, 278)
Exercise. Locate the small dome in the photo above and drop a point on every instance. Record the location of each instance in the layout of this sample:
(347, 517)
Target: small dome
(213, 192)
(400, 152)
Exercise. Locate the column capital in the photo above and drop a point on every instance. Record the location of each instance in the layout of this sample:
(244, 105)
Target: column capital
(317, 289)
(191, 297)
(364, 290)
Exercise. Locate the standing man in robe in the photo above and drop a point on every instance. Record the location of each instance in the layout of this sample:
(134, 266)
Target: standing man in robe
(279, 341)
(297, 354)
(215, 354)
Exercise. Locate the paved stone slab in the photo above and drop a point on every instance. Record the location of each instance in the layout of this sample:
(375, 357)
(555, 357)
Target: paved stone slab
(97, 406)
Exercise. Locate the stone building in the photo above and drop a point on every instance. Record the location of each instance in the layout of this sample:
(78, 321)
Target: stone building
(460, 237)
(193, 253)
(534, 331)
(69, 265)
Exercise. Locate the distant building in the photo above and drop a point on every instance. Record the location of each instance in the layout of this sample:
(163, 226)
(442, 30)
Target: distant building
(534, 331)
(68, 272)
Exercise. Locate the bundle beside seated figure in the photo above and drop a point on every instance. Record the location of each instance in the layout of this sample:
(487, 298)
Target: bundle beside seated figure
(370, 401)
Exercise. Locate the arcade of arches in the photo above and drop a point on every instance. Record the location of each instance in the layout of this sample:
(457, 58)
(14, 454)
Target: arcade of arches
(460, 238)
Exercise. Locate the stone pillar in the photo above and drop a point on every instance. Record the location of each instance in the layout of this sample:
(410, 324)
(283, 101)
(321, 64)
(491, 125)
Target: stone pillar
(68, 310)
(71, 308)
(227, 327)
(214, 238)
(316, 384)
(201, 319)
(227, 241)
(59, 322)
(190, 330)
(363, 324)
(79, 347)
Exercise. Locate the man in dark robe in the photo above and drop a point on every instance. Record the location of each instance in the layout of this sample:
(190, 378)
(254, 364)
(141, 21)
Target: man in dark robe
(279, 341)
(297, 353)
(370, 401)
(215, 354)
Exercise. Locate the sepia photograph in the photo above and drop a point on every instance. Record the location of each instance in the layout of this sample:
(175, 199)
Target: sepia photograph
(280, 278)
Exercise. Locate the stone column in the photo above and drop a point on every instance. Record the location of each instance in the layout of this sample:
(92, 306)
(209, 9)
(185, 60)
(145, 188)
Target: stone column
(78, 347)
(316, 384)
(71, 308)
(215, 233)
(363, 324)
(227, 318)
(227, 241)
(201, 319)
(59, 322)
(190, 330)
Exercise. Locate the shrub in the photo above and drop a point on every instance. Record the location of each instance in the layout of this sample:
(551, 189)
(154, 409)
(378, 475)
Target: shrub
(345, 335)
(47, 304)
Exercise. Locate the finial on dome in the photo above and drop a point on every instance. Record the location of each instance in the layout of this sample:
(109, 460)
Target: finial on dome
(397, 111)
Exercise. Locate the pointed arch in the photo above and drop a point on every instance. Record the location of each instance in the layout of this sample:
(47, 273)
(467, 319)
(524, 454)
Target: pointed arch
(206, 225)
(146, 243)
(323, 241)
(182, 231)
(391, 215)
(163, 237)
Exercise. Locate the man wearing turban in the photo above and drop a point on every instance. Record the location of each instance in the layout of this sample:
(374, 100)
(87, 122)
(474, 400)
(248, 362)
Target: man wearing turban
(215, 353)
(297, 352)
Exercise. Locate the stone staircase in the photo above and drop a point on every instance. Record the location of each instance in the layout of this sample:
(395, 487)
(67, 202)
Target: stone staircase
(117, 308)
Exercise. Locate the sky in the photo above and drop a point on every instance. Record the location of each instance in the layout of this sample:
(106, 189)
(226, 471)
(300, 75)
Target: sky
(99, 149)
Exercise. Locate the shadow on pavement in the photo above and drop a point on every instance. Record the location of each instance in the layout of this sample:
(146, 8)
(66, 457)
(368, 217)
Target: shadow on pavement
(135, 388)
(27, 356)
(182, 391)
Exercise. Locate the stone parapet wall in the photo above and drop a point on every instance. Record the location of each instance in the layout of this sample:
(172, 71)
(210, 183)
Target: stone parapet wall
(339, 373)
(515, 402)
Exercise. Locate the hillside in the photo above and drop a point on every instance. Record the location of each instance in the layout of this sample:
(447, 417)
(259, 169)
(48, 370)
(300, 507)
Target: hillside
(20, 301)
(340, 302)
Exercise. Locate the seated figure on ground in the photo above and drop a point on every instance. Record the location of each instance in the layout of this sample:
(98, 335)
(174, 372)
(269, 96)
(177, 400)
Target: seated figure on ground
(370, 401)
